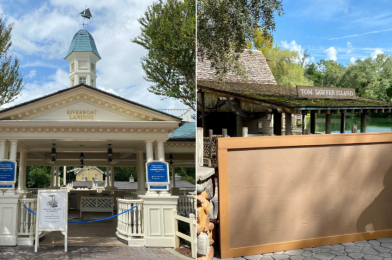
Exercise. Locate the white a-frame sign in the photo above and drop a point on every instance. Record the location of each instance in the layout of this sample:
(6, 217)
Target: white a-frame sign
(52, 213)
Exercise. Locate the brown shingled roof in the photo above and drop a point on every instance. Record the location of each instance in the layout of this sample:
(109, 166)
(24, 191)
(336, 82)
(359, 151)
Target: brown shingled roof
(258, 71)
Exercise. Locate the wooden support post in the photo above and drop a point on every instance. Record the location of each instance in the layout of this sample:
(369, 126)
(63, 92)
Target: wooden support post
(224, 132)
(288, 122)
(313, 123)
(244, 132)
(303, 121)
(354, 129)
(278, 124)
(327, 123)
(238, 121)
(210, 134)
(342, 122)
(363, 121)
(203, 120)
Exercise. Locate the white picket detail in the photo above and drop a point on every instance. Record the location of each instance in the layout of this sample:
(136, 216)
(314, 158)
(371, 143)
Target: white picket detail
(130, 224)
(27, 220)
(186, 205)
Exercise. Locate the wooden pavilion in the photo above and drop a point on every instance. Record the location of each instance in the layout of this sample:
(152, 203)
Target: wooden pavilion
(258, 102)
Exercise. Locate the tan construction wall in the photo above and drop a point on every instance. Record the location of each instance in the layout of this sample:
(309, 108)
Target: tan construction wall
(303, 191)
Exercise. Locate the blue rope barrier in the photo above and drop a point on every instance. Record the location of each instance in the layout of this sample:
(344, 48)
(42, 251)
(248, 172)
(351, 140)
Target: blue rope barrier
(91, 221)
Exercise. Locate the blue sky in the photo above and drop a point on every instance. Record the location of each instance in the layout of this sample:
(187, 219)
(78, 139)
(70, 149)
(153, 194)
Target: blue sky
(341, 30)
(43, 32)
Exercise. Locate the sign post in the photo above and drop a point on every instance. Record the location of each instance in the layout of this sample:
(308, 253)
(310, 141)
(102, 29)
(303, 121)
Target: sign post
(52, 213)
(157, 176)
(7, 174)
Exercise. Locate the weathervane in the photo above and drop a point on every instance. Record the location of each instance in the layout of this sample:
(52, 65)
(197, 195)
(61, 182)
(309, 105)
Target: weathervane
(86, 14)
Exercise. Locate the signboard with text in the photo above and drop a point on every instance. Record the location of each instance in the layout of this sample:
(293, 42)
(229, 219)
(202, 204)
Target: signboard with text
(158, 175)
(325, 92)
(7, 174)
(52, 213)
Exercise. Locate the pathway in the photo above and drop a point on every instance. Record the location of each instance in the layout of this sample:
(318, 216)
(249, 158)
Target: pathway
(379, 249)
(84, 253)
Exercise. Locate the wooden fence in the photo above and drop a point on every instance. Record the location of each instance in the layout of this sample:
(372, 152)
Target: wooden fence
(192, 238)
(288, 192)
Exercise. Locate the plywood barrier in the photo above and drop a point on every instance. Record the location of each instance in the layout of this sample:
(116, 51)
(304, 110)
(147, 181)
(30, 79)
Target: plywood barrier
(287, 192)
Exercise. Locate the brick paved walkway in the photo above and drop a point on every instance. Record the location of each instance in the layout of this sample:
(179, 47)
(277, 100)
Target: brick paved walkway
(379, 249)
(81, 253)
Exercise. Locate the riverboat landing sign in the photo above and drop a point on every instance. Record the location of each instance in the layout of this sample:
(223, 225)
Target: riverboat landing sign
(7, 174)
(52, 213)
(158, 176)
(325, 92)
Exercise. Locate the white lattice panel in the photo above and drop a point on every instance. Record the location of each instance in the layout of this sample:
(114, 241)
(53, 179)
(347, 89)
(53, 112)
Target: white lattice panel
(96, 204)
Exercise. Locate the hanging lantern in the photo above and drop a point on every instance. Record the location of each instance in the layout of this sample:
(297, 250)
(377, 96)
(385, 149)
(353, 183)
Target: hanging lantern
(53, 154)
(171, 158)
(110, 153)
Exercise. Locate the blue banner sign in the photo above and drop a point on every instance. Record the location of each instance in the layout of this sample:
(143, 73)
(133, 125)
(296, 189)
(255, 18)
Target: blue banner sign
(5, 186)
(7, 171)
(158, 175)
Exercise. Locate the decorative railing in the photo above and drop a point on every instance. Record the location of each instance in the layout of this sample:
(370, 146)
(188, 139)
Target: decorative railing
(185, 114)
(192, 238)
(26, 222)
(186, 204)
(130, 224)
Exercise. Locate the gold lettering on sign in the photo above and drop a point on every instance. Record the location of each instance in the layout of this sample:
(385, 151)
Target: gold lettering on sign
(81, 114)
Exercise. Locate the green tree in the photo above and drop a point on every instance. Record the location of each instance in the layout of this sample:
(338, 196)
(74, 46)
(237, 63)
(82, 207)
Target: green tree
(123, 173)
(187, 174)
(224, 27)
(168, 33)
(286, 66)
(371, 78)
(11, 81)
(38, 176)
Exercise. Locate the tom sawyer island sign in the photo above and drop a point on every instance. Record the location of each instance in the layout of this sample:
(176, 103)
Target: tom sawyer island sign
(52, 213)
(325, 92)
(158, 176)
(7, 174)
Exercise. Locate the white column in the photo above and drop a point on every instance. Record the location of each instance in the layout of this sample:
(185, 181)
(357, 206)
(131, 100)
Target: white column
(52, 176)
(58, 177)
(2, 149)
(141, 178)
(108, 176)
(55, 174)
(65, 175)
(22, 171)
(13, 149)
(174, 176)
(156, 157)
(149, 153)
(112, 178)
(161, 151)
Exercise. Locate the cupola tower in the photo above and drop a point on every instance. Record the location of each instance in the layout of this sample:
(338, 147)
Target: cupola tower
(83, 57)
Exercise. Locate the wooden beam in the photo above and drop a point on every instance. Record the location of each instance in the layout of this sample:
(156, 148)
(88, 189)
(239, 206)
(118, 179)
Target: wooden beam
(288, 123)
(363, 122)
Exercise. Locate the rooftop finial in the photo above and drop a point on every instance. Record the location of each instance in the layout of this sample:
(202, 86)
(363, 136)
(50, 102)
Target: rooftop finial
(86, 14)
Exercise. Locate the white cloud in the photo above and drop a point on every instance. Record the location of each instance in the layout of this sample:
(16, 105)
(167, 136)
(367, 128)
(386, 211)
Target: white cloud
(375, 53)
(331, 53)
(362, 34)
(31, 74)
(43, 35)
(58, 81)
(350, 47)
(352, 60)
(293, 46)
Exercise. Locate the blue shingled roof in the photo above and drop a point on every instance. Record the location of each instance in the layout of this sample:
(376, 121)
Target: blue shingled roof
(186, 131)
(83, 41)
